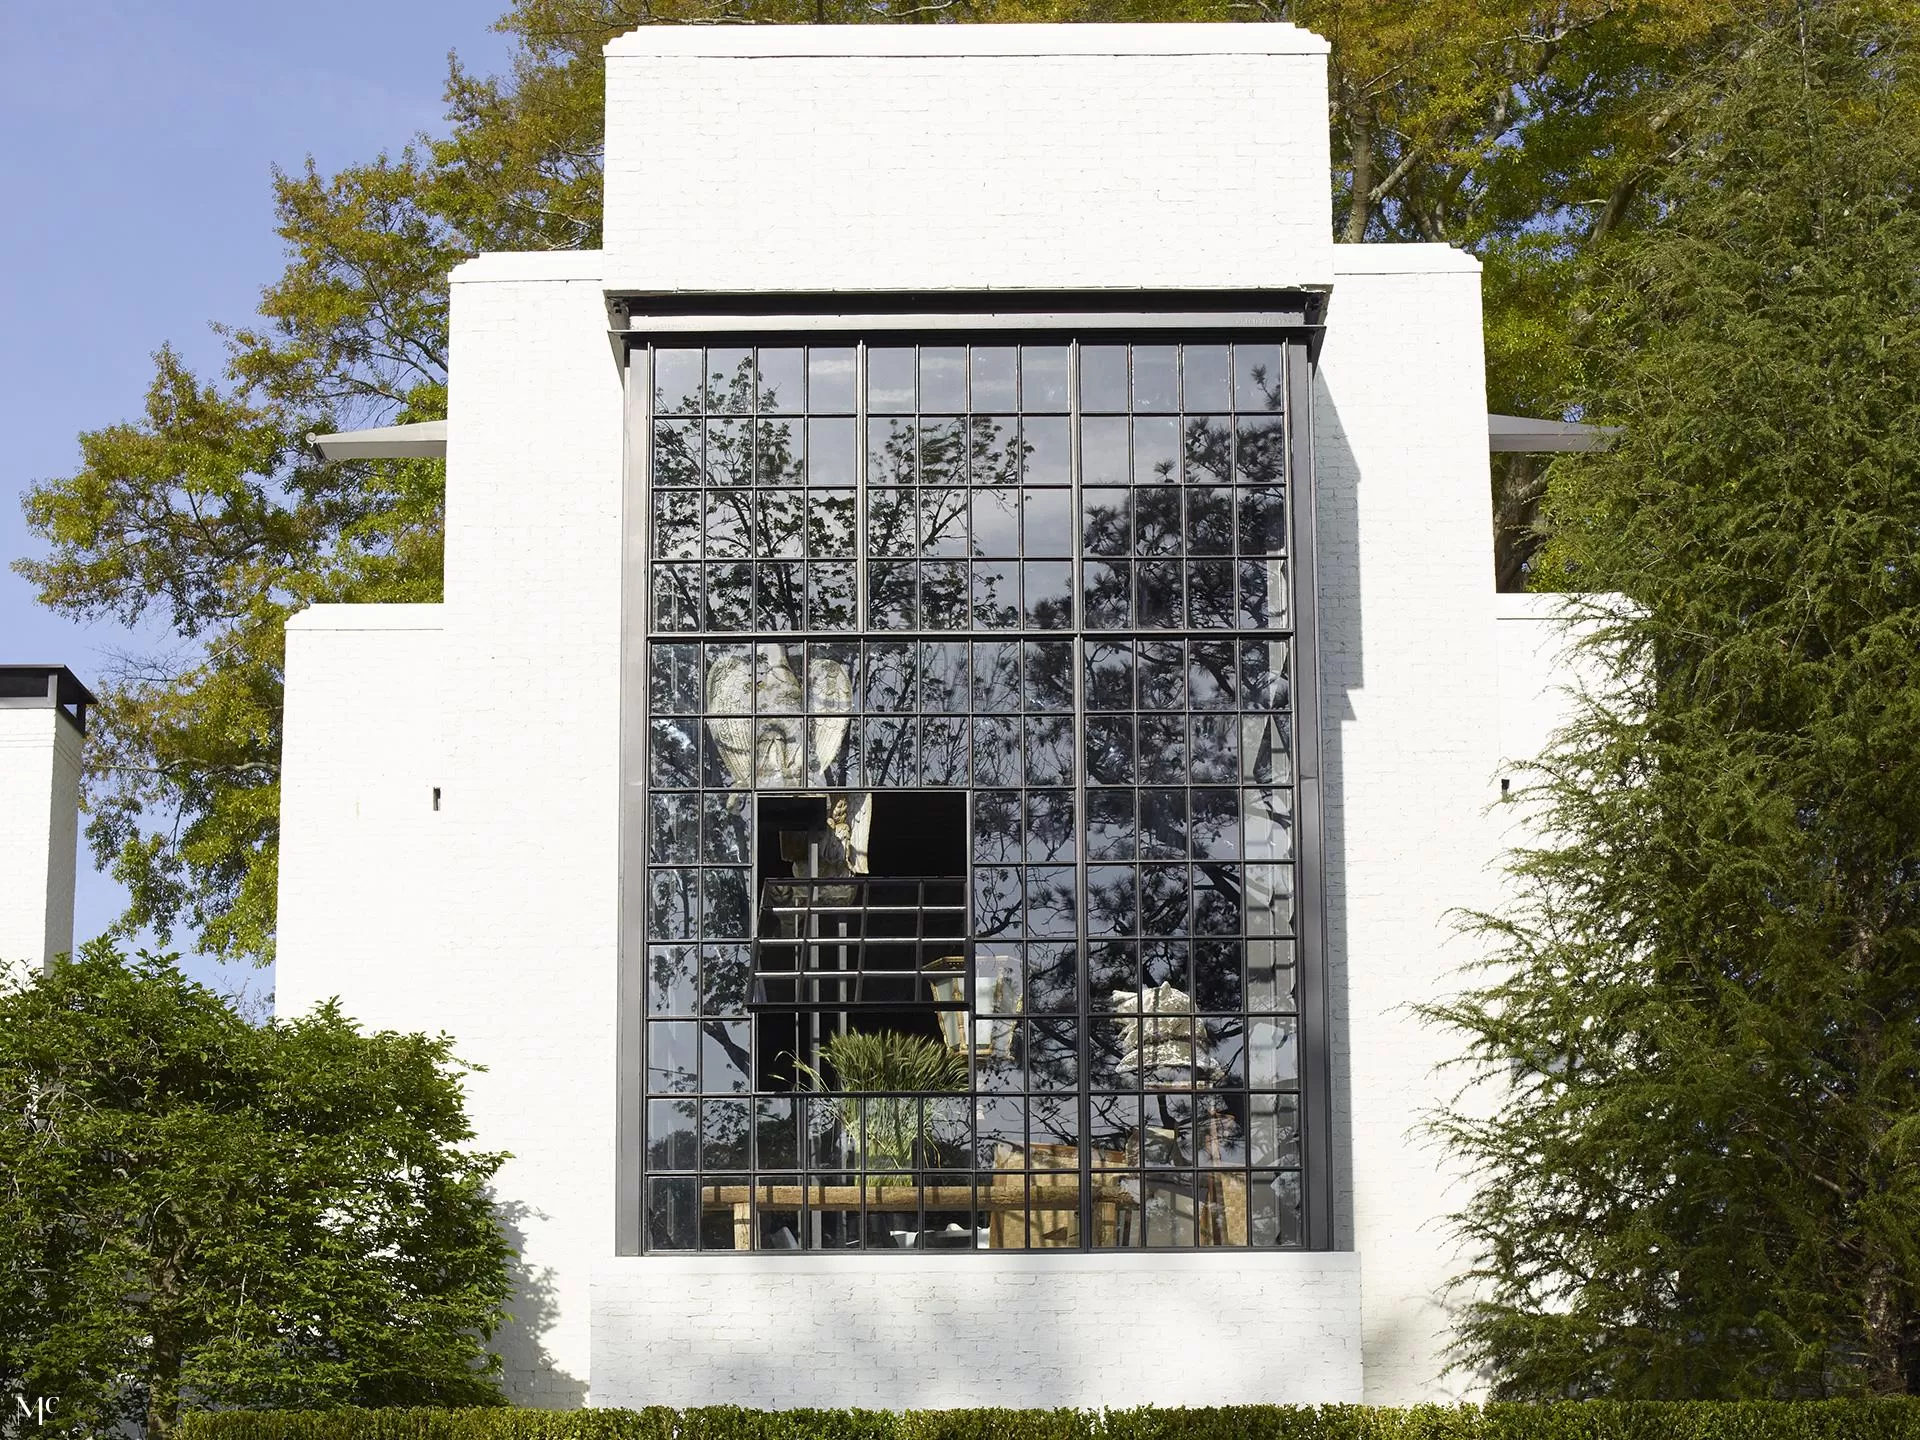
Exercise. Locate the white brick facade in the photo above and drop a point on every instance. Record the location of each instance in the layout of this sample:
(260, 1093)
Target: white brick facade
(804, 160)
(936, 157)
(917, 1331)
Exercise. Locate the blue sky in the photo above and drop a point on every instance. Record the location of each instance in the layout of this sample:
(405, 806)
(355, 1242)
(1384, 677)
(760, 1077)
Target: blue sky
(136, 147)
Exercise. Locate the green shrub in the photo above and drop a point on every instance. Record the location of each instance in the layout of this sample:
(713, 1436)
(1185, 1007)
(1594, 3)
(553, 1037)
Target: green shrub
(1895, 1419)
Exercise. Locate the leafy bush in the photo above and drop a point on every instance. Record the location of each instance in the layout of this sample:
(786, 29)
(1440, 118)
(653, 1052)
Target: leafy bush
(1896, 1419)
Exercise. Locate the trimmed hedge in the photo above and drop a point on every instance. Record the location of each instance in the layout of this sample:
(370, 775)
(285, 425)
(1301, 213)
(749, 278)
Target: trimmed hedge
(1571, 1420)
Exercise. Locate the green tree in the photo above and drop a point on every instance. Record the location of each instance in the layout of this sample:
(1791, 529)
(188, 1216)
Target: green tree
(200, 1212)
(1704, 1176)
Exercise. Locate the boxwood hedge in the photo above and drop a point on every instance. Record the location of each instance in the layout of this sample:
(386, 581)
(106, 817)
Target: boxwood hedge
(1891, 1419)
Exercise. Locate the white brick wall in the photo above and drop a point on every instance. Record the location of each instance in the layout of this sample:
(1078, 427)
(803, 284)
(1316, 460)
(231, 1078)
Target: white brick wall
(361, 847)
(933, 1331)
(39, 832)
(926, 157)
(532, 790)
(1410, 724)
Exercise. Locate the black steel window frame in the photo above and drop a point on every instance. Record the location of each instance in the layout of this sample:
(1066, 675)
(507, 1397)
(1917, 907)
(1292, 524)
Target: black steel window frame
(1293, 319)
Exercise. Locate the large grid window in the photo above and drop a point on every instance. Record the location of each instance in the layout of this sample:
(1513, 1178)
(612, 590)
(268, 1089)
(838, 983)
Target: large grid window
(968, 817)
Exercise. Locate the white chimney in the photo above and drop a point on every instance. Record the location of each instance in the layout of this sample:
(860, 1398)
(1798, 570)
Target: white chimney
(43, 719)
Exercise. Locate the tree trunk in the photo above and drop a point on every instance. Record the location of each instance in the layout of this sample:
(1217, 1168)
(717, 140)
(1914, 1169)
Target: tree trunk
(1359, 195)
(163, 1381)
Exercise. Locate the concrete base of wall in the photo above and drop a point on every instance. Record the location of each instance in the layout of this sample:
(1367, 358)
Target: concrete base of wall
(914, 1331)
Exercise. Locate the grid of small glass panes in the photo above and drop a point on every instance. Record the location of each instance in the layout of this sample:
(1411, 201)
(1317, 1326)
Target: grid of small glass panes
(953, 469)
(1138, 1083)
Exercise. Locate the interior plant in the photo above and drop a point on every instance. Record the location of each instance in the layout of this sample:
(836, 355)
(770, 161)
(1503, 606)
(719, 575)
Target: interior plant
(887, 1071)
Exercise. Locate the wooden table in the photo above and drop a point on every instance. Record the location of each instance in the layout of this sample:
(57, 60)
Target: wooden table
(1022, 1218)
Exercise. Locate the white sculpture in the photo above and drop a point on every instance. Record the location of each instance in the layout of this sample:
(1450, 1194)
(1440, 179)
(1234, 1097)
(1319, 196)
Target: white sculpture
(776, 745)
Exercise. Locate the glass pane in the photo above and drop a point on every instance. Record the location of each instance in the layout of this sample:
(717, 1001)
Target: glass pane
(1270, 974)
(725, 830)
(1160, 598)
(1049, 674)
(778, 454)
(782, 596)
(1259, 451)
(1213, 756)
(776, 1134)
(892, 592)
(891, 522)
(997, 826)
(1049, 594)
(893, 450)
(1049, 750)
(1103, 452)
(1110, 825)
(673, 753)
(726, 1061)
(673, 979)
(1208, 446)
(831, 522)
(996, 677)
(1216, 975)
(1258, 384)
(1269, 820)
(1043, 377)
(1163, 675)
(993, 377)
(890, 379)
(1209, 520)
(1051, 826)
(1108, 595)
(677, 454)
(1110, 675)
(1205, 378)
(1156, 520)
(674, 828)
(1110, 750)
(997, 900)
(676, 525)
(996, 594)
(1156, 450)
(676, 597)
(674, 687)
(783, 381)
(1156, 377)
(779, 530)
(1106, 524)
(1046, 450)
(997, 751)
(725, 1135)
(943, 750)
(730, 452)
(1112, 904)
(672, 1136)
(996, 521)
(1263, 521)
(944, 588)
(1215, 828)
(676, 382)
(943, 377)
(943, 520)
(1103, 377)
(673, 1214)
(673, 1056)
(831, 373)
(730, 380)
(830, 452)
(728, 517)
(1048, 516)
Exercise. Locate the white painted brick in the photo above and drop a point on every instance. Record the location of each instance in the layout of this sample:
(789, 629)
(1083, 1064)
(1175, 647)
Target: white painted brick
(39, 833)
